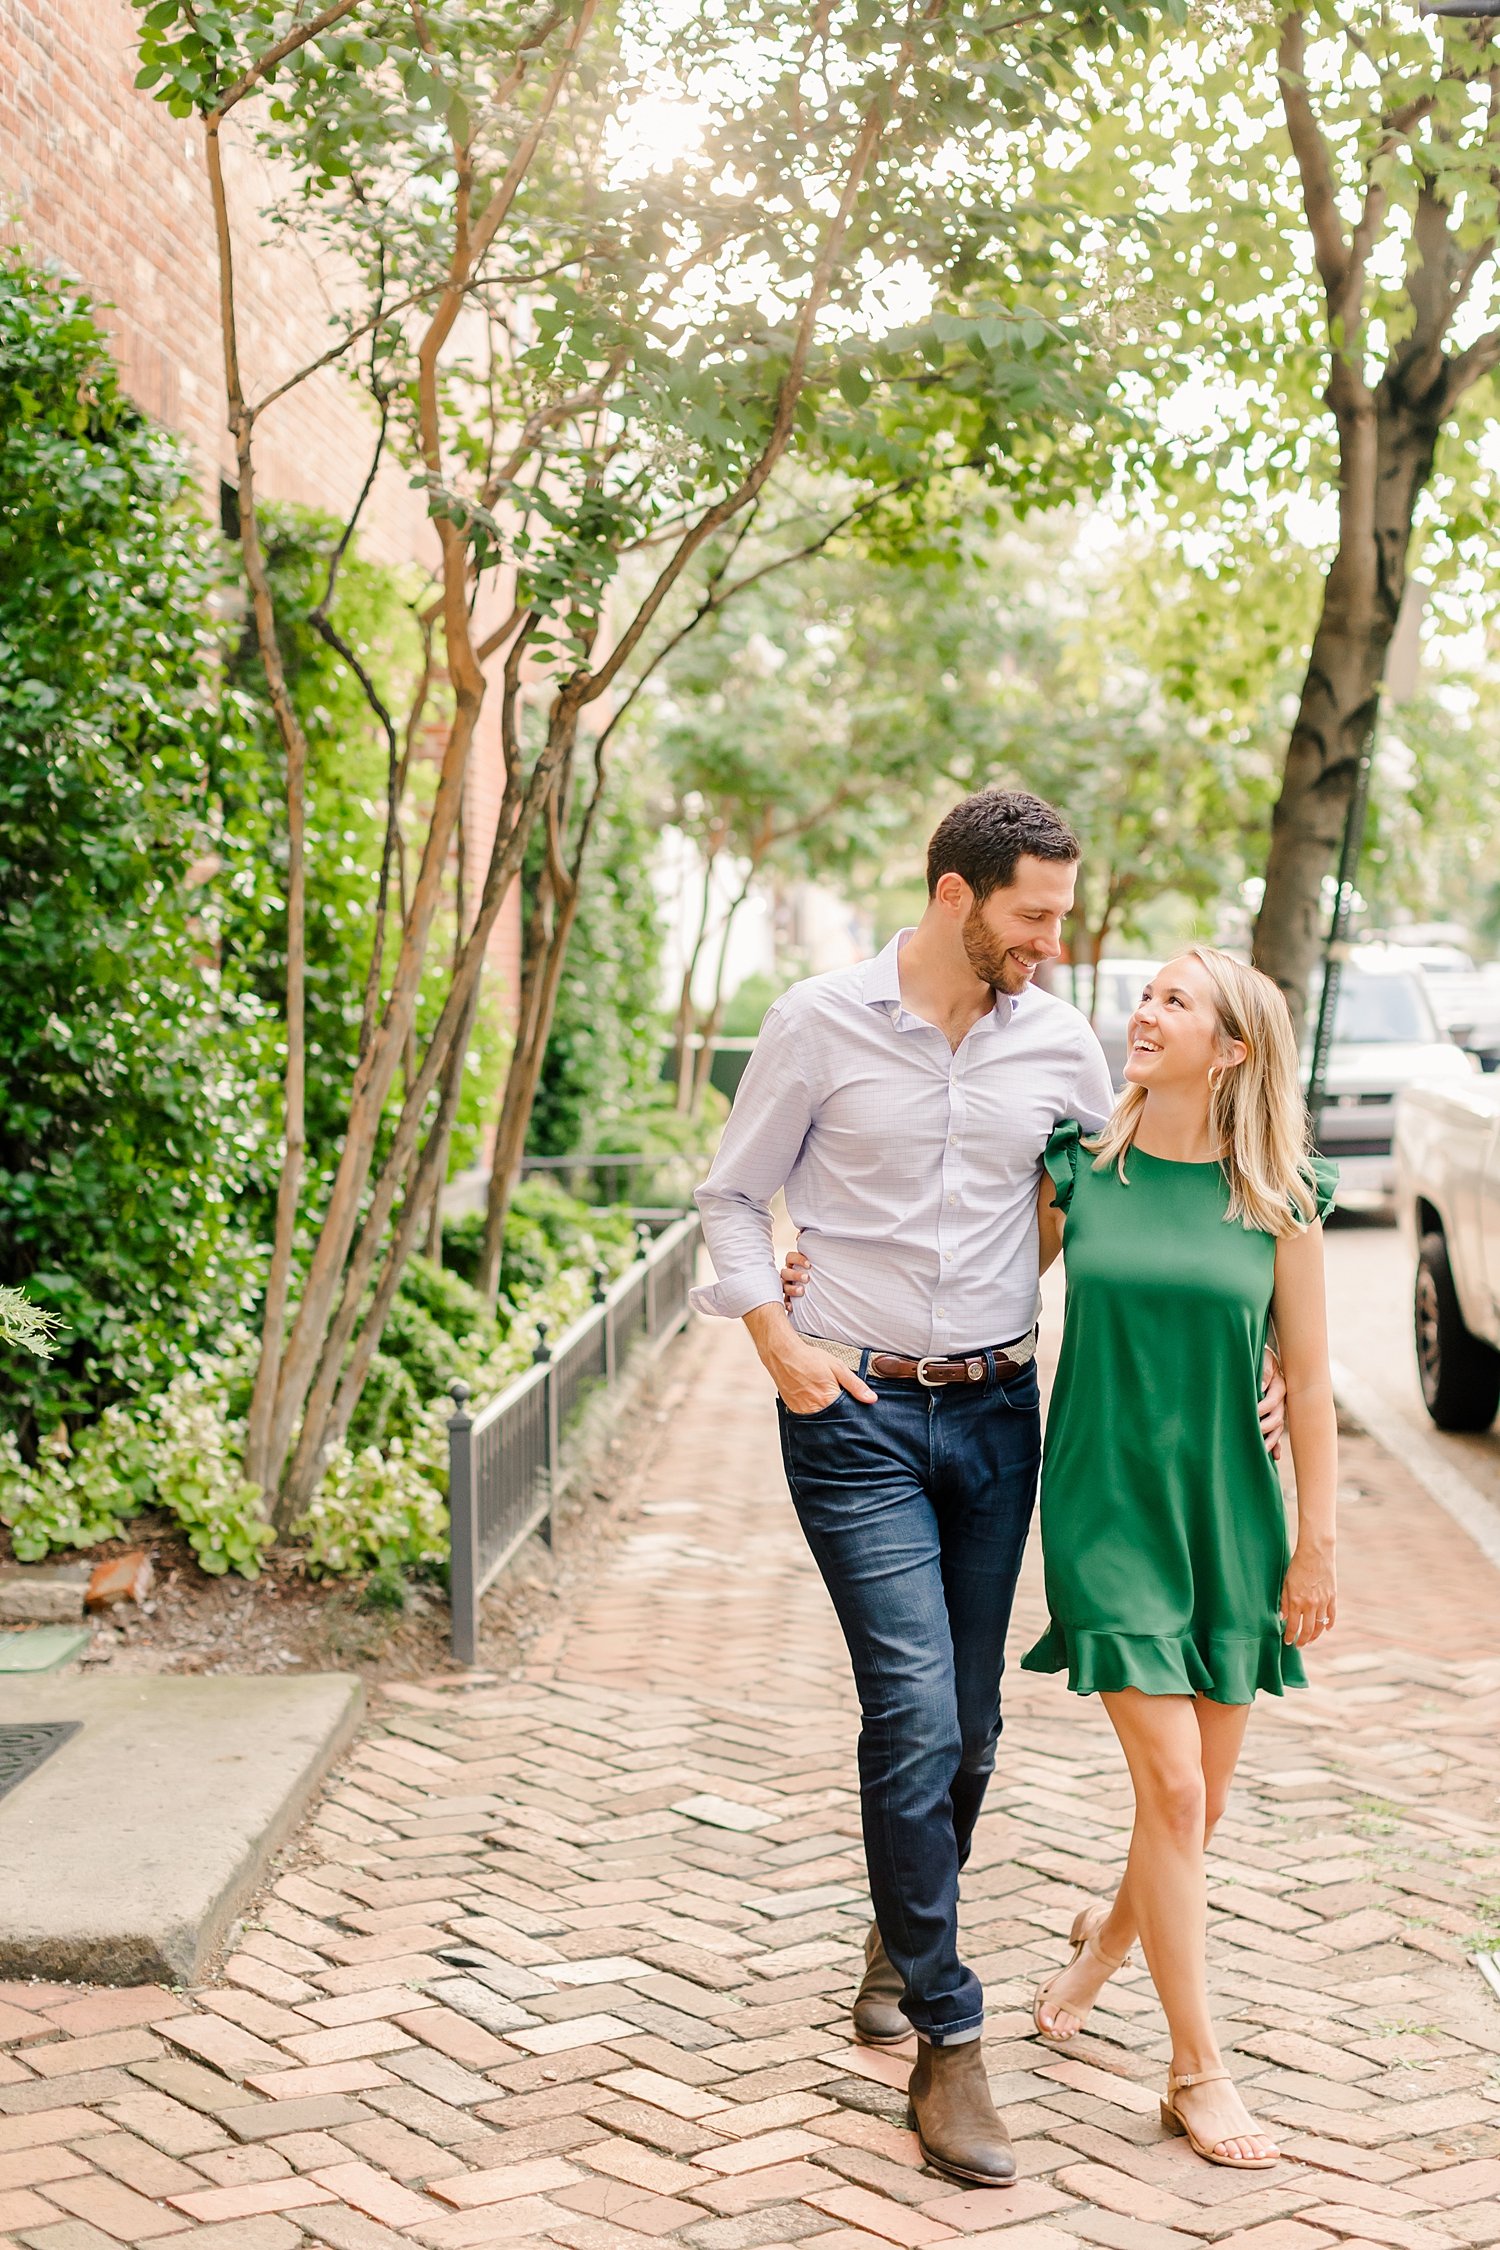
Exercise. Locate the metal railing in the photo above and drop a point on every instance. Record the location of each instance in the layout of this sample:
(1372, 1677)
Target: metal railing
(504, 1461)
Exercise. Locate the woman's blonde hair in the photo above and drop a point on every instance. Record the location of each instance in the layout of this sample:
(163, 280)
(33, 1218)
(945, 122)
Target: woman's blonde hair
(1256, 1113)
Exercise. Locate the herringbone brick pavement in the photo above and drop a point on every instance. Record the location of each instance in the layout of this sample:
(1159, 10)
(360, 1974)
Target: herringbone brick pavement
(565, 1957)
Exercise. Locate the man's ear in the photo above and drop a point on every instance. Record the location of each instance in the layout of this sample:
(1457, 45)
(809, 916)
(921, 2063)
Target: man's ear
(954, 895)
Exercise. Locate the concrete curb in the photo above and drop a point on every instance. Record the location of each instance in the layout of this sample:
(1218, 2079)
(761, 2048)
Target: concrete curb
(1436, 1474)
(125, 1858)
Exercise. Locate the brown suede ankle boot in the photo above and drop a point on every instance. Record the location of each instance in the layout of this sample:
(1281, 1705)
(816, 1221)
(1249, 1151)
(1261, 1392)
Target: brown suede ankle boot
(958, 2126)
(878, 2021)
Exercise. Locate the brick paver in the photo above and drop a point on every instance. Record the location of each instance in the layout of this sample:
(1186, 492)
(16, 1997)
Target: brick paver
(565, 1957)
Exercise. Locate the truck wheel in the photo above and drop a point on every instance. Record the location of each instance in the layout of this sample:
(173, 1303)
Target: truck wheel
(1460, 1373)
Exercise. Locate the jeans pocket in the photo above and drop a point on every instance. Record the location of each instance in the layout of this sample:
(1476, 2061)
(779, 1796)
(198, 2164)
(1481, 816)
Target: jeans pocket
(818, 1414)
(1023, 1393)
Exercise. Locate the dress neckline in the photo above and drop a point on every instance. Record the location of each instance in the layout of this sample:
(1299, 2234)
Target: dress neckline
(1179, 1163)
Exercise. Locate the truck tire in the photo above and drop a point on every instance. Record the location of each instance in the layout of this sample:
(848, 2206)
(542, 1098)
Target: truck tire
(1460, 1372)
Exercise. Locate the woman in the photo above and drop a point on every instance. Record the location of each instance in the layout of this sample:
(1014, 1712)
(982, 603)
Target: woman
(1190, 1225)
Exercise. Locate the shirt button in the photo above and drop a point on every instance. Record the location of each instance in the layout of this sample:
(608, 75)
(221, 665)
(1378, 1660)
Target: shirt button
(941, 1313)
(947, 1257)
(952, 1200)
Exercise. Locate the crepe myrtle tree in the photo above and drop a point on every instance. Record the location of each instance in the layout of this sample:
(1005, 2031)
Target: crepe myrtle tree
(583, 352)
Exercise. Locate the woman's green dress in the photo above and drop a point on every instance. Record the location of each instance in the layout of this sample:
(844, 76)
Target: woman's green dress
(1163, 1528)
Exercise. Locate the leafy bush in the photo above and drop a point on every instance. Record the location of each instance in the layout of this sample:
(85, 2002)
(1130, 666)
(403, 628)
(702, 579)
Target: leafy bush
(545, 1228)
(25, 1325)
(130, 1121)
(384, 1511)
(382, 1502)
(180, 1452)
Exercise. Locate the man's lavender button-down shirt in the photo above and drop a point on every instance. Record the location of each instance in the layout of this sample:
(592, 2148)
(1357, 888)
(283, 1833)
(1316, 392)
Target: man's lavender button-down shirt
(911, 1171)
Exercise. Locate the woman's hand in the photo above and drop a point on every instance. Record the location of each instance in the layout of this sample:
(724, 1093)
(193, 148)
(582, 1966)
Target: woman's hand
(1309, 1602)
(793, 1267)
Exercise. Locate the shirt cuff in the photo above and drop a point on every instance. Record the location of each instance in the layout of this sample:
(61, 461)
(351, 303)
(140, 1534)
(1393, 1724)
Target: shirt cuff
(737, 1294)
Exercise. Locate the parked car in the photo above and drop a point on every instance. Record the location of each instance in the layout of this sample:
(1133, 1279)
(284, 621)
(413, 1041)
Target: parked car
(1448, 1204)
(1465, 1000)
(1385, 1038)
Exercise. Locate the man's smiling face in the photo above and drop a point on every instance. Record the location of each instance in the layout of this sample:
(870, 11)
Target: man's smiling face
(1019, 927)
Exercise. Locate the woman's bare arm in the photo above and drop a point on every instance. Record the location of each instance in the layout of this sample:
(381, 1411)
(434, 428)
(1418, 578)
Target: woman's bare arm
(1309, 1600)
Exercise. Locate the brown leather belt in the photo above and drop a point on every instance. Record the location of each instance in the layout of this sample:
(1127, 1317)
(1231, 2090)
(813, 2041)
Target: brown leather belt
(936, 1374)
(991, 1363)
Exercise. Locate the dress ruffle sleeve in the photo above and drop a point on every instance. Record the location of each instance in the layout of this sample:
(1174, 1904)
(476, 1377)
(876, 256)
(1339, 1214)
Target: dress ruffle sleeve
(1061, 1157)
(1325, 1179)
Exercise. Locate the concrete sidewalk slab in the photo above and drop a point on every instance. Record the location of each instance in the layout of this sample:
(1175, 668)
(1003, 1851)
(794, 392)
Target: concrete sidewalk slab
(125, 1858)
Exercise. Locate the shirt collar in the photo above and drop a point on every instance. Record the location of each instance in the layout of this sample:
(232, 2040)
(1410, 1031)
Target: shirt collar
(882, 985)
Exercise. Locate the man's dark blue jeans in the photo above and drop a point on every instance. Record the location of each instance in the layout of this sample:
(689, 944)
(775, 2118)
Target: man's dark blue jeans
(916, 1510)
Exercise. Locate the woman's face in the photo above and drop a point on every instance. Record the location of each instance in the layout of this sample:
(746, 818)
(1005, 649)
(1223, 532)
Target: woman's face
(1173, 1037)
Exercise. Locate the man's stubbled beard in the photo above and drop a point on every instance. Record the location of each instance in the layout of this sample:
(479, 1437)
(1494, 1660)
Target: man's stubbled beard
(989, 959)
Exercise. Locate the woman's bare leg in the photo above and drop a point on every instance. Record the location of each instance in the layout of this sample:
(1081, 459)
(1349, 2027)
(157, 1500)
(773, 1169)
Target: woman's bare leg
(1221, 1732)
(1164, 1749)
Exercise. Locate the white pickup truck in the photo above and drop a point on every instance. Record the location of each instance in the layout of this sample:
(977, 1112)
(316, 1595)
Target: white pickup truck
(1447, 1148)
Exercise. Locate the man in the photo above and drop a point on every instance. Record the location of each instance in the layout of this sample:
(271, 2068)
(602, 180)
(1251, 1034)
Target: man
(903, 1106)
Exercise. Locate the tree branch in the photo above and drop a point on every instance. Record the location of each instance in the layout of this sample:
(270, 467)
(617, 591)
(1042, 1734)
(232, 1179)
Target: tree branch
(1311, 153)
(299, 36)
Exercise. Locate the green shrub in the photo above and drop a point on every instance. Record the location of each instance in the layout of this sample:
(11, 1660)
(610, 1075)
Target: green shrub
(130, 1116)
(179, 1452)
(382, 1502)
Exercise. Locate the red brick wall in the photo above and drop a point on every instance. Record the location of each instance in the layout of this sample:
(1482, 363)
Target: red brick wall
(99, 178)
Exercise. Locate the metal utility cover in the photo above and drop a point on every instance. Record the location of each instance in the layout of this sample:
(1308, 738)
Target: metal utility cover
(24, 1748)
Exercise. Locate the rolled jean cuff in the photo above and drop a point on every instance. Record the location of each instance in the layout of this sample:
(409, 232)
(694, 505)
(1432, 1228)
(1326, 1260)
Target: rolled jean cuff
(953, 2035)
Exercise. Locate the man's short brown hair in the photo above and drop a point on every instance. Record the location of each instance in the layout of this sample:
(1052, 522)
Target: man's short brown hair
(985, 835)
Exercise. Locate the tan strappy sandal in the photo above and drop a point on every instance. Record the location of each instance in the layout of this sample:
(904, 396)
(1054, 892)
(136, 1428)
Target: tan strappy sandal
(1174, 2122)
(1087, 1924)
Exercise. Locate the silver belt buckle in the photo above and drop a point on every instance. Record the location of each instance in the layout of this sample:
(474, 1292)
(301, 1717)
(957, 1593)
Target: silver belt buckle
(974, 1369)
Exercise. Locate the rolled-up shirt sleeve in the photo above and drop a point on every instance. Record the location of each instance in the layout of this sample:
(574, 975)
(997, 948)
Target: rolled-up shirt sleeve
(770, 1121)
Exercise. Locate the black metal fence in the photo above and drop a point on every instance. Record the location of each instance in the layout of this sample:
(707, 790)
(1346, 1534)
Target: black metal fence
(503, 1462)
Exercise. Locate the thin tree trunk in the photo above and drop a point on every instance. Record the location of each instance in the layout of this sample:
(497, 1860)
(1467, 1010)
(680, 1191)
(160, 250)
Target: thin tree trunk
(259, 1461)
(522, 1081)
(545, 967)
(426, 1183)
(525, 1062)
(511, 835)
(708, 1028)
(435, 1217)
(1095, 940)
(682, 1028)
